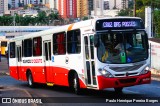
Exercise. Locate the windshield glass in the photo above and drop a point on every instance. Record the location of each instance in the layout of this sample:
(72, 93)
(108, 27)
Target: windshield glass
(122, 47)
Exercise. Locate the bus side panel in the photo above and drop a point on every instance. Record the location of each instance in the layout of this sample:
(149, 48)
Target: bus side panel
(60, 76)
(38, 73)
(13, 72)
(81, 83)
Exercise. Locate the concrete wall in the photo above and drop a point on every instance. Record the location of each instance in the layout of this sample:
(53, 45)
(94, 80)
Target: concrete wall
(155, 55)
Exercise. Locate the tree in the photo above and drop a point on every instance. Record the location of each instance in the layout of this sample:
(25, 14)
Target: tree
(125, 12)
(85, 18)
(42, 18)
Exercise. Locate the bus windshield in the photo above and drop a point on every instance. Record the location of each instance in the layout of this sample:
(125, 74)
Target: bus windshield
(122, 47)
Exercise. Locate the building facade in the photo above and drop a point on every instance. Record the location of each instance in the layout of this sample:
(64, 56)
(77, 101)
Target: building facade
(51, 4)
(14, 3)
(83, 8)
(108, 7)
(67, 8)
(118, 4)
(3, 6)
(26, 2)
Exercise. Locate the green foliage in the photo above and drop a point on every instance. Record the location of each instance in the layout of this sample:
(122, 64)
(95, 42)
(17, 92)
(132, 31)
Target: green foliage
(125, 12)
(41, 19)
(141, 12)
(139, 4)
(157, 23)
(85, 18)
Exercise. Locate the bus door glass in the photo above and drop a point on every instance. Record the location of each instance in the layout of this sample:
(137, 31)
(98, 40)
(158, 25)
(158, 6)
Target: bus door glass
(89, 61)
(19, 60)
(47, 54)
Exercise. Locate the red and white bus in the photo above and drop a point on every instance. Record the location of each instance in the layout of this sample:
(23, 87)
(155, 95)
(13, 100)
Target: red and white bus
(110, 52)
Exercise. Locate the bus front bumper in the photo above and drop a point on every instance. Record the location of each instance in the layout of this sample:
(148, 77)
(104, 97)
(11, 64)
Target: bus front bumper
(104, 82)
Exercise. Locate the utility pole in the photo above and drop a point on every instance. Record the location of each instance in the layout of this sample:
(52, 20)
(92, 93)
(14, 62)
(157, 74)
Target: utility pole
(134, 10)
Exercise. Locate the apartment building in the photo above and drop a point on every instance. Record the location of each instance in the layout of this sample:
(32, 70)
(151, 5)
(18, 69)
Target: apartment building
(18, 3)
(52, 4)
(31, 2)
(109, 7)
(118, 4)
(3, 6)
(14, 3)
(67, 8)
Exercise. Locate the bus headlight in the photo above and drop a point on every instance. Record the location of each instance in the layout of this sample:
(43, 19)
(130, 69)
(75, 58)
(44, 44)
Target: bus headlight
(145, 70)
(105, 73)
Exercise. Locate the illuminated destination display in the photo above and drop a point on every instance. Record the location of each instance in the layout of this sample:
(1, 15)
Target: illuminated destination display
(113, 24)
(119, 24)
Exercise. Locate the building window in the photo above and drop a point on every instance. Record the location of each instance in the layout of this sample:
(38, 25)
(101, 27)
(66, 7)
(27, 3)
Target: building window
(37, 46)
(27, 48)
(73, 41)
(12, 49)
(59, 43)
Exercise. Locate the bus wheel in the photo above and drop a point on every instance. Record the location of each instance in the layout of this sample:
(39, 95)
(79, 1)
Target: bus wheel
(118, 90)
(30, 80)
(76, 86)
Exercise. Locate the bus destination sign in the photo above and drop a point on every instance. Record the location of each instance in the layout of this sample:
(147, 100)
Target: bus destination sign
(119, 24)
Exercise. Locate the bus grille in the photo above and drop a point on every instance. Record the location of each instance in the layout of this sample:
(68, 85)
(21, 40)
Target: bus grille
(129, 74)
(130, 80)
(126, 68)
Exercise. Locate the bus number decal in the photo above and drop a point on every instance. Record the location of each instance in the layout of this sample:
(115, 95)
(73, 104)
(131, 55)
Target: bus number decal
(32, 61)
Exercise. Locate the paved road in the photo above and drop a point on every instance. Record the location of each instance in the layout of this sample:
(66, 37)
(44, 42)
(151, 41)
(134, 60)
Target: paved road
(151, 91)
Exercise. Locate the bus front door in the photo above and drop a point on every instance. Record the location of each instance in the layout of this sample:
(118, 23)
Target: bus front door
(47, 59)
(90, 74)
(19, 60)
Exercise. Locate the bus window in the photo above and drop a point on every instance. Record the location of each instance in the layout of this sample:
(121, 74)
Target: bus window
(92, 46)
(86, 47)
(59, 43)
(73, 41)
(37, 46)
(27, 48)
(12, 50)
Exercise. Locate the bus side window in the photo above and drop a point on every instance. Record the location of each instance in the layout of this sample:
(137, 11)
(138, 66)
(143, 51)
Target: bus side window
(12, 50)
(27, 48)
(59, 43)
(37, 46)
(86, 47)
(73, 41)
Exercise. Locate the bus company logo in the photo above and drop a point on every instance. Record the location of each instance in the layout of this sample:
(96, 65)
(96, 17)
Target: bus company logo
(127, 74)
(6, 100)
(32, 61)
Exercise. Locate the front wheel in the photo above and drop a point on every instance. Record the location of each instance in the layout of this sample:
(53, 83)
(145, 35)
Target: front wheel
(118, 90)
(30, 80)
(76, 85)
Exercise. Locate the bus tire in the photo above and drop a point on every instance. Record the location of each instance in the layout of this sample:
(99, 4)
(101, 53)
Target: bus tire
(30, 80)
(118, 90)
(76, 86)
